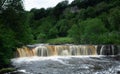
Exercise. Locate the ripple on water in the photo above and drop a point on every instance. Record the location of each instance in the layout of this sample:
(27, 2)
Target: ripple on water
(67, 65)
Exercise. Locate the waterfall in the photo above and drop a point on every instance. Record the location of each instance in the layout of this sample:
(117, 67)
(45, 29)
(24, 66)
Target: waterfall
(57, 50)
(109, 50)
(41, 51)
(113, 50)
(66, 59)
(25, 52)
(66, 50)
(101, 50)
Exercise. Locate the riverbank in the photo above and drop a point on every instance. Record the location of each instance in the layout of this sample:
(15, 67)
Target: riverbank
(6, 70)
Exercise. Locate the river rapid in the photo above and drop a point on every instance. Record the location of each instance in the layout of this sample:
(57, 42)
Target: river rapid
(66, 65)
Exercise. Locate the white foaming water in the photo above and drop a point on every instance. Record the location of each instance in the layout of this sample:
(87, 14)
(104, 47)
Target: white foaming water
(35, 58)
(66, 65)
(24, 71)
(53, 58)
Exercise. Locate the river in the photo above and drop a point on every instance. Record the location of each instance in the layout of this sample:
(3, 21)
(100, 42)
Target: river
(67, 59)
(67, 65)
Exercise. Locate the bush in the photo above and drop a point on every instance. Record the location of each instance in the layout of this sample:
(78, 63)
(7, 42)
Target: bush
(62, 40)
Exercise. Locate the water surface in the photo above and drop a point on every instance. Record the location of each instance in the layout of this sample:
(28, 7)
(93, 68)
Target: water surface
(67, 65)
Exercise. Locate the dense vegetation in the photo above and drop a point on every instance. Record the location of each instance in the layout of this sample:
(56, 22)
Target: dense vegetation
(81, 22)
(14, 30)
(86, 21)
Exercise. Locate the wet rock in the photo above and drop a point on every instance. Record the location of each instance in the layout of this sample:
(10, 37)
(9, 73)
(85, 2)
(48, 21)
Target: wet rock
(108, 49)
(117, 57)
(6, 70)
(118, 72)
(17, 72)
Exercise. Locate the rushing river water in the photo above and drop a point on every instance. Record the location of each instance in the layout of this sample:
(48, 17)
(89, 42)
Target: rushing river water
(67, 59)
(67, 65)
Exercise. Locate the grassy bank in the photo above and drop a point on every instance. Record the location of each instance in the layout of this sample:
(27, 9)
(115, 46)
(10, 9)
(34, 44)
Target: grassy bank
(6, 70)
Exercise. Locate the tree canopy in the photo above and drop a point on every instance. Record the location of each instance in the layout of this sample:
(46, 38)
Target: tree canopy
(14, 30)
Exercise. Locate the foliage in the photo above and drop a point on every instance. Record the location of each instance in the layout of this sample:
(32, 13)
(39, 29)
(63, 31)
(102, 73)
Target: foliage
(62, 26)
(114, 19)
(82, 22)
(14, 31)
(62, 40)
(59, 8)
(87, 31)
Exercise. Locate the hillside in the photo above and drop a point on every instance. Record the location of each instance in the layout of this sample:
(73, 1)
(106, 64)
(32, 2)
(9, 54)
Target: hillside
(86, 21)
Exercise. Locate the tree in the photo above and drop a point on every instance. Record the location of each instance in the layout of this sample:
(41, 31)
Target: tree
(6, 44)
(67, 14)
(101, 7)
(53, 32)
(74, 33)
(43, 28)
(104, 19)
(82, 15)
(90, 12)
(39, 13)
(88, 31)
(62, 26)
(14, 30)
(114, 19)
(59, 8)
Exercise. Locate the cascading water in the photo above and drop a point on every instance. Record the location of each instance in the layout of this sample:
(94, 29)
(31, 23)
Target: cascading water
(58, 50)
(67, 59)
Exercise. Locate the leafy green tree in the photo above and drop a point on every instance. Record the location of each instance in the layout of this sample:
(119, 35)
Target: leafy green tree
(14, 29)
(74, 33)
(81, 15)
(27, 31)
(6, 44)
(86, 3)
(41, 37)
(88, 30)
(95, 26)
(63, 26)
(59, 8)
(104, 18)
(114, 19)
(67, 14)
(90, 12)
(9, 10)
(43, 27)
(39, 13)
(101, 7)
(53, 32)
